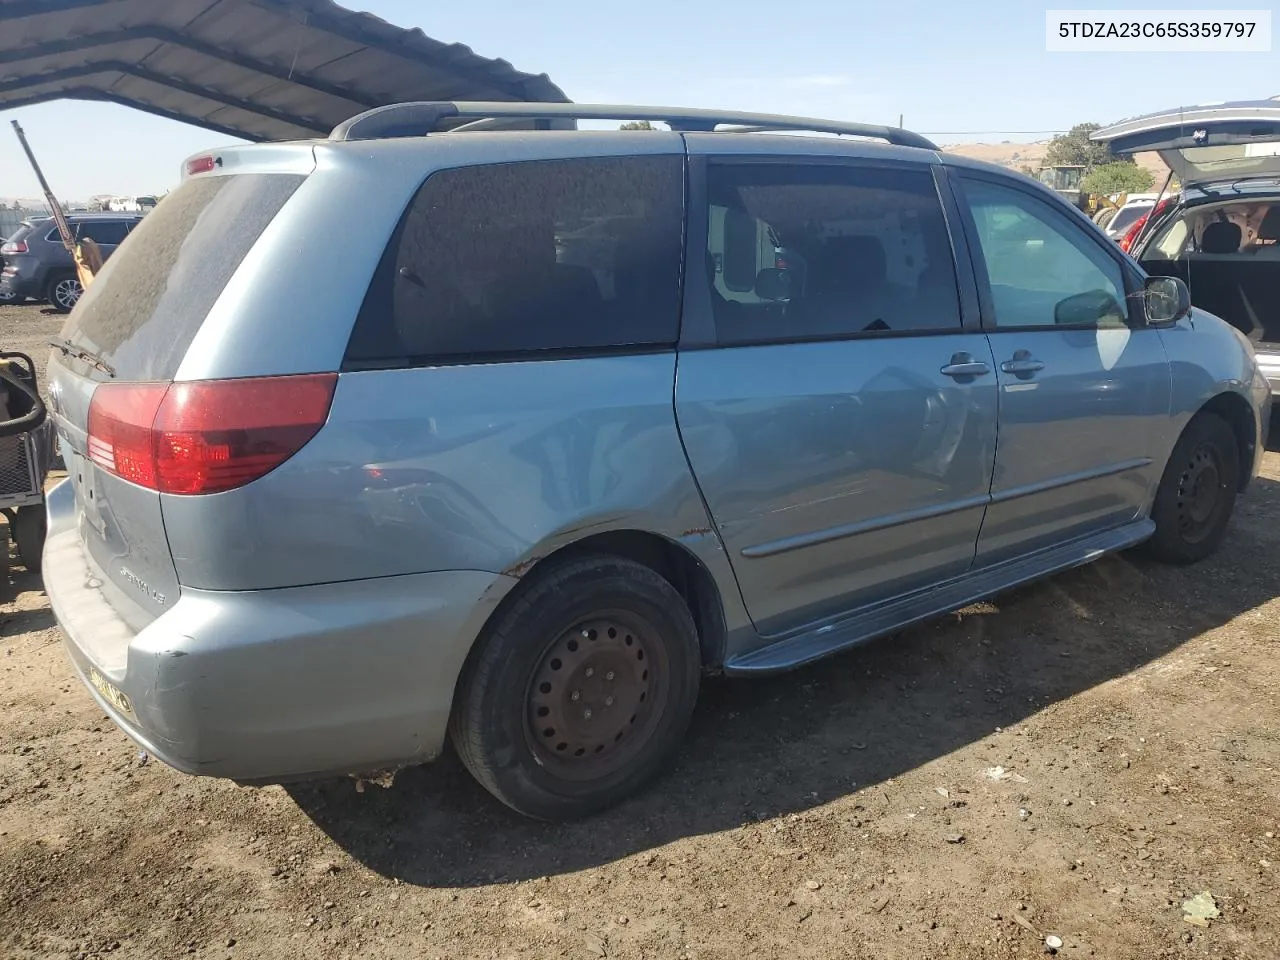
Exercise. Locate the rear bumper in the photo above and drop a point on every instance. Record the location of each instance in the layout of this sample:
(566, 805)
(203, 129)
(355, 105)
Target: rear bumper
(21, 286)
(272, 685)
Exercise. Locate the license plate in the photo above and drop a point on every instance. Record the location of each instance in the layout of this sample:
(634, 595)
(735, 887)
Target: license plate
(112, 694)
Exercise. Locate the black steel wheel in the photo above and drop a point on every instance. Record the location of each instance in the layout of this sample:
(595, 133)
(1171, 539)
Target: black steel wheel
(1197, 492)
(596, 694)
(580, 690)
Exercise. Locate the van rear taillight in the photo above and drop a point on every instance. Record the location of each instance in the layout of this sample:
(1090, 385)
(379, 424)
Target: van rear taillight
(13, 247)
(205, 436)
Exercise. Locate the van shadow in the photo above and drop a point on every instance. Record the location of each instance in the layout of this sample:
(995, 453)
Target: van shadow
(768, 747)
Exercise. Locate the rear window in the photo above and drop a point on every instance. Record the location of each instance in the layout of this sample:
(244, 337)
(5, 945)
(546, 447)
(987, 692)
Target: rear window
(498, 260)
(21, 233)
(142, 312)
(1128, 215)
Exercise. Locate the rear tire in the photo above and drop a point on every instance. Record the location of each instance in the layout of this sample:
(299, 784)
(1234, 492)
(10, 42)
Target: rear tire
(1197, 492)
(29, 530)
(63, 292)
(580, 691)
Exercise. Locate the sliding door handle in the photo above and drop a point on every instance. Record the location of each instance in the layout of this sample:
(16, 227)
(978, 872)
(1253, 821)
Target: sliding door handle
(1022, 366)
(963, 365)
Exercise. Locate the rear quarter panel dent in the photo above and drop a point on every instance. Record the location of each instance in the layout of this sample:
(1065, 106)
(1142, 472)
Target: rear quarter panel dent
(478, 467)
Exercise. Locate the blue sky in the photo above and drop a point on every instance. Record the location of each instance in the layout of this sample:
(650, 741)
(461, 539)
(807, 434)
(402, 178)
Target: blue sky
(950, 68)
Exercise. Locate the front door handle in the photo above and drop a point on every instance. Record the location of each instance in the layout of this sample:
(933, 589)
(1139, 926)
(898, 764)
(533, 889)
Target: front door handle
(963, 365)
(1023, 364)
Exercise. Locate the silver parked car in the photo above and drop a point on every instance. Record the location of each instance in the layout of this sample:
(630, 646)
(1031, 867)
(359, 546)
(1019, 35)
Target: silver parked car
(563, 430)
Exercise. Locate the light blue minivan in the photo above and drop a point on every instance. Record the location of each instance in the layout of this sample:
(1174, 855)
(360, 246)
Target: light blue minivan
(574, 417)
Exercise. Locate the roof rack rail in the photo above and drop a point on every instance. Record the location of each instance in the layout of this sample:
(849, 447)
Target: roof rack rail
(426, 117)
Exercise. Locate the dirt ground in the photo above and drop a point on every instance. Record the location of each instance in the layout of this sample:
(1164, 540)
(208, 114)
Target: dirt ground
(846, 811)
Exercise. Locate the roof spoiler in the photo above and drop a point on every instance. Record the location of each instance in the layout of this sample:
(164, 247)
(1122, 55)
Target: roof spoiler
(427, 117)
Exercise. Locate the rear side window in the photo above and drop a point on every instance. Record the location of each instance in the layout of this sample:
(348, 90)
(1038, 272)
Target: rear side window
(503, 259)
(102, 232)
(146, 306)
(817, 251)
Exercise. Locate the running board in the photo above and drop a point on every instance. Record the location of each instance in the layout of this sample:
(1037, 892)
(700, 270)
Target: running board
(802, 648)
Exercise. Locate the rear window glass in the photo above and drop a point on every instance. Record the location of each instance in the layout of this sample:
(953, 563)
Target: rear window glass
(146, 306)
(502, 259)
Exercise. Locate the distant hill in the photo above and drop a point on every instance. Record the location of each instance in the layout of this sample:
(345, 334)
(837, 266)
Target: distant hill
(1017, 155)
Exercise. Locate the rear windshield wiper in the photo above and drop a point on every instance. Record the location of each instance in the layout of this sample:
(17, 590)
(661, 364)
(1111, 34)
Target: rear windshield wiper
(69, 349)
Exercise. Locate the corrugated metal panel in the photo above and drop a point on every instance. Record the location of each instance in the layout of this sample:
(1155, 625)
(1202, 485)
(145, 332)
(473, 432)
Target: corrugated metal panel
(257, 69)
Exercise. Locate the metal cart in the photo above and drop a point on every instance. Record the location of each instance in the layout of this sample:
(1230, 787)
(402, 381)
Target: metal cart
(25, 459)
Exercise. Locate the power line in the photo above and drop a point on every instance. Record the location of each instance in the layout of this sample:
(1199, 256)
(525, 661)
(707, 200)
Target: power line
(983, 133)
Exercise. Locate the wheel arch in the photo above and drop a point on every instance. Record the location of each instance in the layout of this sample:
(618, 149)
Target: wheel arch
(1239, 415)
(672, 561)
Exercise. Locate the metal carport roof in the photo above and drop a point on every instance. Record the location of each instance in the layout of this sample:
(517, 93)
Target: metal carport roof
(255, 69)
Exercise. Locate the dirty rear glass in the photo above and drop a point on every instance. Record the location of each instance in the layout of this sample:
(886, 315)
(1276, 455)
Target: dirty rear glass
(144, 309)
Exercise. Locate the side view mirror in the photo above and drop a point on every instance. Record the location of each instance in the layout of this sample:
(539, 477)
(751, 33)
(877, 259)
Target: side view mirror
(773, 283)
(19, 381)
(1165, 299)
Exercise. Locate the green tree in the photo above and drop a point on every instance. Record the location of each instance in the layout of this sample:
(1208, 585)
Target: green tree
(1074, 148)
(637, 125)
(1117, 177)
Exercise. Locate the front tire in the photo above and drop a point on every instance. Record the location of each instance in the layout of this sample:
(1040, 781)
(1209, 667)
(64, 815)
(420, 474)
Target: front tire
(580, 691)
(64, 292)
(1197, 492)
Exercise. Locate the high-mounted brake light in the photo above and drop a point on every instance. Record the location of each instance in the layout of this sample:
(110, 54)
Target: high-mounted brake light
(201, 165)
(205, 436)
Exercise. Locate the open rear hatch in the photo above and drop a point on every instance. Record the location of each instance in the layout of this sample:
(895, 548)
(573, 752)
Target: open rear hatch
(1214, 142)
(1207, 146)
